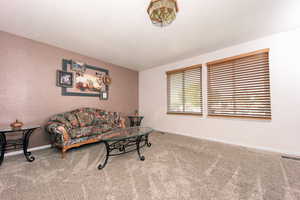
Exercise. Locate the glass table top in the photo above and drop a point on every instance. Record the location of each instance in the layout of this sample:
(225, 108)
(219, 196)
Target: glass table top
(23, 128)
(124, 133)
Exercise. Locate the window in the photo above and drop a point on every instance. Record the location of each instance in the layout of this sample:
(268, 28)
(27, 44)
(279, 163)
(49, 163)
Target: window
(185, 91)
(240, 86)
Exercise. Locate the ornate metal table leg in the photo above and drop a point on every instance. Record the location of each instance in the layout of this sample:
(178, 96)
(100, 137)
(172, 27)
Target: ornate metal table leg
(101, 166)
(2, 146)
(138, 141)
(147, 141)
(28, 155)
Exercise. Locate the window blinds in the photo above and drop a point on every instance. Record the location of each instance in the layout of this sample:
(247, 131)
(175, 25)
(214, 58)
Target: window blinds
(184, 91)
(240, 86)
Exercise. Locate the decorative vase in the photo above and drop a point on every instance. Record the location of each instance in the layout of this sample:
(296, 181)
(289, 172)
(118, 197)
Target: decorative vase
(16, 124)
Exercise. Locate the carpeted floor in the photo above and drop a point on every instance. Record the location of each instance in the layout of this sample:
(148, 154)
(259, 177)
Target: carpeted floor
(176, 167)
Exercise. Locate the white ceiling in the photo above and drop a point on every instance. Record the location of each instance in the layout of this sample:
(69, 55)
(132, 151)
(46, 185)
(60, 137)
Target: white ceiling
(120, 32)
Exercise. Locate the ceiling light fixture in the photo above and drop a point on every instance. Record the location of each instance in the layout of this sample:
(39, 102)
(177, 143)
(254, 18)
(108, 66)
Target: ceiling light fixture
(162, 12)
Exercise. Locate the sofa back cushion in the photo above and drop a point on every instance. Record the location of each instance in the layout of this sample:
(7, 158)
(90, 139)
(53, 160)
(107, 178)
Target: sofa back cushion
(71, 117)
(106, 119)
(85, 117)
(100, 117)
(60, 118)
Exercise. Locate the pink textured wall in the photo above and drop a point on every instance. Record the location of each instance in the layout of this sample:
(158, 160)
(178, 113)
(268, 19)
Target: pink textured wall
(28, 88)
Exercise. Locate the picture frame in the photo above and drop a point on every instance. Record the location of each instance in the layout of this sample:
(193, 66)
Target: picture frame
(69, 66)
(78, 66)
(64, 79)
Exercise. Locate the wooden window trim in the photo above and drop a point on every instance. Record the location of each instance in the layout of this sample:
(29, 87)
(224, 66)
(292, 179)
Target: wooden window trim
(228, 59)
(245, 117)
(183, 69)
(183, 113)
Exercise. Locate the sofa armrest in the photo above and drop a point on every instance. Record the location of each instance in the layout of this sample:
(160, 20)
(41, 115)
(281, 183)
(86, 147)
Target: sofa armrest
(58, 132)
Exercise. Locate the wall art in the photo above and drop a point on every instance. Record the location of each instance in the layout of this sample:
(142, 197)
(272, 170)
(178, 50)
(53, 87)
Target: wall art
(64, 79)
(90, 81)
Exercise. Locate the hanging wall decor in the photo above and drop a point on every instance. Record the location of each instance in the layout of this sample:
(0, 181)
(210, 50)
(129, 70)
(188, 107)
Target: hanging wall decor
(88, 81)
(64, 79)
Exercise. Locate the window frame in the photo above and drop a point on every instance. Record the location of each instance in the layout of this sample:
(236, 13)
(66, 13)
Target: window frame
(232, 59)
(181, 70)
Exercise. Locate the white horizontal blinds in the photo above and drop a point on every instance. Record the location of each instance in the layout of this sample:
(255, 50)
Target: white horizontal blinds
(175, 92)
(192, 91)
(184, 91)
(240, 87)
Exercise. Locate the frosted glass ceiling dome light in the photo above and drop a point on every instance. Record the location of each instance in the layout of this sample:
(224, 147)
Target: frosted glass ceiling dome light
(162, 12)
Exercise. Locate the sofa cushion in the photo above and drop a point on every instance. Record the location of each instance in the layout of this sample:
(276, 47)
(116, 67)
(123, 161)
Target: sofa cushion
(98, 121)
(99, 117)
(89, 131)
(85, 118)
(101, 129)
(72, 119)
(60, 118)
(102, 118)
(81, 132)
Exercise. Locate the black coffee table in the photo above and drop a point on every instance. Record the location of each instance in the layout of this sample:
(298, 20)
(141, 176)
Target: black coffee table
(22, 142)
(121, 141)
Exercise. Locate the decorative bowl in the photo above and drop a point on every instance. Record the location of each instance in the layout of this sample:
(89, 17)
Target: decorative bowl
(17, 124)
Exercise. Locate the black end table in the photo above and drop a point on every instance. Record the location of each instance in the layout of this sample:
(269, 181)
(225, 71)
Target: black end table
(135, 120)
(22, 142)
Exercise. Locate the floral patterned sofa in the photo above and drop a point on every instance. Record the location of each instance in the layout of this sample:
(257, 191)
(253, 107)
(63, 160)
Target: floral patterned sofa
(81, 126)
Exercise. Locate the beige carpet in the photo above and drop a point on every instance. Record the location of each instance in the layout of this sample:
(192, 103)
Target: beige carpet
(176, 167)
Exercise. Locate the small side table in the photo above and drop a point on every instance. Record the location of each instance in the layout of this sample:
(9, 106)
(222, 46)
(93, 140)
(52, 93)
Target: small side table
(22, 142)
(135, 120)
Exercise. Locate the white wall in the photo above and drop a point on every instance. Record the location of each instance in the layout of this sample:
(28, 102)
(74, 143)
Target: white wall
(281, 134)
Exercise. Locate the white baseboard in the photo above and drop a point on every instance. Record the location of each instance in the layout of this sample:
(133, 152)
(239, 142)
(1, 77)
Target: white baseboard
(254, 148)
(31, 149)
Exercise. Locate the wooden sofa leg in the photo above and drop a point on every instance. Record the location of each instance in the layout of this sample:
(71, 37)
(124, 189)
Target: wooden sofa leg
(63, 153)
